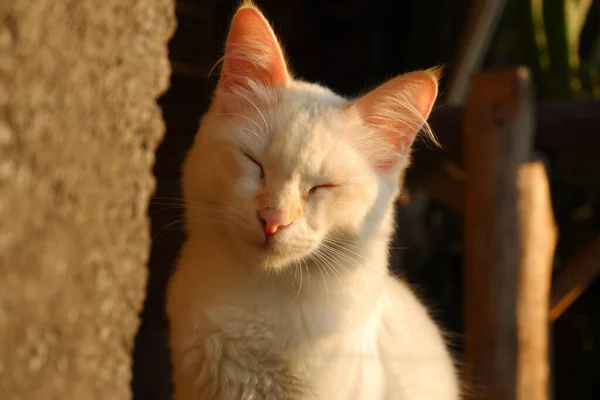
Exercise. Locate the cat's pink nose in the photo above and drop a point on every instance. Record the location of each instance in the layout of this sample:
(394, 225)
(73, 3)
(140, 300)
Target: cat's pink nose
(273, 220)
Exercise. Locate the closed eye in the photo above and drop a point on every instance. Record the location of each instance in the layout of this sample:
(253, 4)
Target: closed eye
(262, 171)
(319, 187)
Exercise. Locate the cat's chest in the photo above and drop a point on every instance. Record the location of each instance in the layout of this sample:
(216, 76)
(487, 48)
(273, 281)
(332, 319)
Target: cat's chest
(262, 340)
(257, 352)
(268, 323)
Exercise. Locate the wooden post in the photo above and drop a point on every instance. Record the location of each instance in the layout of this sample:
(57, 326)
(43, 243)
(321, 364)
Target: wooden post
(484, 16)
(497, 140)
(538, 235)
(443, 181)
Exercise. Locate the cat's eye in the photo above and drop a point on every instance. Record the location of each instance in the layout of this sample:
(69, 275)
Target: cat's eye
(262, 171)
(314, 189)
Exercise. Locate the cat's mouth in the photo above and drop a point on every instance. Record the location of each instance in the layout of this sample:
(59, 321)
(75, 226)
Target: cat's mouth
(272, 246)
(277, 251)
(266, 244)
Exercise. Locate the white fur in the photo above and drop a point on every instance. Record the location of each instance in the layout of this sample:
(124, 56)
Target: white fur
(317, 316)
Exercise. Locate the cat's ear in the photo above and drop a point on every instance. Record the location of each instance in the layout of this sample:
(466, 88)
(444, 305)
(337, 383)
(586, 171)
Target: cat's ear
(253, 57)
(396, 111)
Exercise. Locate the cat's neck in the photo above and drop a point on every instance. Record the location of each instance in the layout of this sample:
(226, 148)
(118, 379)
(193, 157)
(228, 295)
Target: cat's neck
(312, 297)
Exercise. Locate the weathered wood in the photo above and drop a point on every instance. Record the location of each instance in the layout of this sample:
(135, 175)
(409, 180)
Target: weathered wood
(562, 126)
(538, 235)
(498, 136)
(576, 277)
(484, 16)
(443, 181)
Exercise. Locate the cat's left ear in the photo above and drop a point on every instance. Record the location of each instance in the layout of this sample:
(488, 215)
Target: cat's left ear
(253, 56)
(396, 111)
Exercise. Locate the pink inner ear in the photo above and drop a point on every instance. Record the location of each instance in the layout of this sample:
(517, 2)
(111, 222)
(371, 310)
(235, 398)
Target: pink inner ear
(252, 54)
(397, 110)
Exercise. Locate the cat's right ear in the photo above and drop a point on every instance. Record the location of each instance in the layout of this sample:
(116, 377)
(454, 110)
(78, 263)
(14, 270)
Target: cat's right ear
(396, 111)
(253, 57)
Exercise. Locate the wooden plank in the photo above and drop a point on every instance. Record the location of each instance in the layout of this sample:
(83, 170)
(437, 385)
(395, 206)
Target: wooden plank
(538, 235)
(568, 126)
(576, 277)
(479, 29)
(498, 138)
(562, 126)
(442, 180)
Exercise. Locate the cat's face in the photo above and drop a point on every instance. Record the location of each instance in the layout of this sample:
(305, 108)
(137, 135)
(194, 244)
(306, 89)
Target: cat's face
(284, 186)
(285, 170)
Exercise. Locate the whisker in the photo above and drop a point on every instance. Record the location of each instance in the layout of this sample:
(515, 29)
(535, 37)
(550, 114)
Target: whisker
(331, 263)
(318, 264)
(246, 118)
(399, 248)
(301, 278)
(344, 247)
(307, 273)
(338, 253)
(163, 229)
(166, 196)
(344, 242)
(164, 209)
(257, 109)
(245, 130)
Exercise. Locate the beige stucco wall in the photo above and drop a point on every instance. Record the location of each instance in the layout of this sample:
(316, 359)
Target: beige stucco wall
(79, 126)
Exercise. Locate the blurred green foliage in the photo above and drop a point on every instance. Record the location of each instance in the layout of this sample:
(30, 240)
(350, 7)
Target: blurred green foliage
(558, 39)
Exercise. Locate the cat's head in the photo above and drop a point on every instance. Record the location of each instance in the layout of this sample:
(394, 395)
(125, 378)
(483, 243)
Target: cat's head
(284, 169)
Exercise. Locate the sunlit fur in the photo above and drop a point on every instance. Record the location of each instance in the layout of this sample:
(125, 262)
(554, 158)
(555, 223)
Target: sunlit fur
(315, 314)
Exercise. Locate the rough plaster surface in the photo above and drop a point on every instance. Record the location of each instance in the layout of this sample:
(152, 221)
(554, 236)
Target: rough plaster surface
(78, 128)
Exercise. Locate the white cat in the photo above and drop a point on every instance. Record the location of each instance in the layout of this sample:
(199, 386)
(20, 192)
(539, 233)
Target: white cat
(282, 290)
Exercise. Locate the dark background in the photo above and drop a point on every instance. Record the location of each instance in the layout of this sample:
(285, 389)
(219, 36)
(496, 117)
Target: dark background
(350, 46)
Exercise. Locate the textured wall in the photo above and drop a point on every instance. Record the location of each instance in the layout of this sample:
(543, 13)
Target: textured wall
(78, 129)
